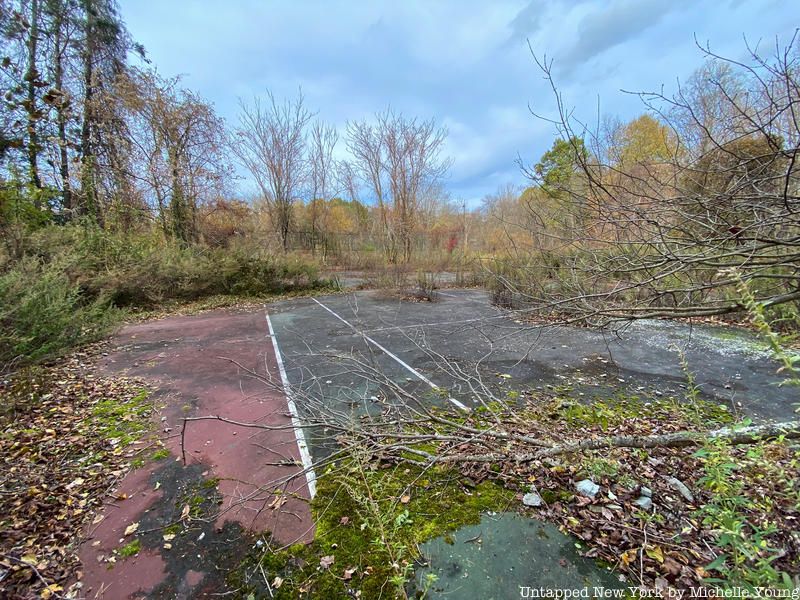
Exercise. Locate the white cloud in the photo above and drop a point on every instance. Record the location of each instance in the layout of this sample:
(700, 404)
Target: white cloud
(465, 63)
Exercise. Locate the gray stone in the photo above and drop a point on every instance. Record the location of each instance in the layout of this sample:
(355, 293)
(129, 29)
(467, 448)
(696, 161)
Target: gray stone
(532, 499)
(681, 487)
(646, 491)
(587, 487)
(644, 502)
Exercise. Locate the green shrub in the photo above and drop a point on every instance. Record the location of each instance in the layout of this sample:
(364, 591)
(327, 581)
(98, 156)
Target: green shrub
(144, 269)
(71, 280)
(42, 312)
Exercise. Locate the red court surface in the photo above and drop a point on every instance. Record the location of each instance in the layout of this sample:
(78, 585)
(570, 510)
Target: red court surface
(192, 362)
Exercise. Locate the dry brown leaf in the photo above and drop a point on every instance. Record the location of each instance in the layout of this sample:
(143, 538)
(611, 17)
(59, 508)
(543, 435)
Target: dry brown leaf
(277, 502)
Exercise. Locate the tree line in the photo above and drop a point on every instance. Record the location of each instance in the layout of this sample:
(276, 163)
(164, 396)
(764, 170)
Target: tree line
(668, 214)
(684, 211)
(87, 134)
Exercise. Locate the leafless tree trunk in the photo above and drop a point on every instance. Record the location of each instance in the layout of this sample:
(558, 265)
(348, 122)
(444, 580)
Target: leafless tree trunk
(322, 175)
(398, 159)
(32, 82)
(61, 103)
(270, 142)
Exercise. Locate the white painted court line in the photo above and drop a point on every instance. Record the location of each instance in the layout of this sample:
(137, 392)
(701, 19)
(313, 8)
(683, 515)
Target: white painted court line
(391, 355)
(299, 434)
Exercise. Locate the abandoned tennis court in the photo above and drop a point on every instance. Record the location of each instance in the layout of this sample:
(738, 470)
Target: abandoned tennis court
(204, 364)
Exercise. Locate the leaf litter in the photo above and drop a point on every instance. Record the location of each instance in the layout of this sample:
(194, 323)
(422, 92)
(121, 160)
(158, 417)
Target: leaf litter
(67, 436)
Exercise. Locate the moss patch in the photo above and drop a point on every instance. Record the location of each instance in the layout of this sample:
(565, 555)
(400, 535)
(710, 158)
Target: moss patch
(130, 549)
(160, 454)
(122, 422)
(370, 519)
(613, 410)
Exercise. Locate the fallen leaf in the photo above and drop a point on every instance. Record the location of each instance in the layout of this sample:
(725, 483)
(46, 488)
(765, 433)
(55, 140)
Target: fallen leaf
(131, 529)
(326, 561)
(344, 520)
(168, 537)
(655, 553)
(277, 502)
(50, 590)
(628, 556)
(185, 512)
(348, 573)
(277, 582)
(672, 566)
(405, 499)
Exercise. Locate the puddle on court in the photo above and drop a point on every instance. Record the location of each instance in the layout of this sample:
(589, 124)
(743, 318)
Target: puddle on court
(503, 556)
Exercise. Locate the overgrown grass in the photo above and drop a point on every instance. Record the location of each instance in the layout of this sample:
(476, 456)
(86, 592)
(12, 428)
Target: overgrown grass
(744, 486)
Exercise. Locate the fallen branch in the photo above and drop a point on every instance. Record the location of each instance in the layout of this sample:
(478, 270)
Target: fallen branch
(742, 435)
(681, 439)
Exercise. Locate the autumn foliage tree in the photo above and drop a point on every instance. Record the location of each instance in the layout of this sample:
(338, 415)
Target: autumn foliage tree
(686, 204)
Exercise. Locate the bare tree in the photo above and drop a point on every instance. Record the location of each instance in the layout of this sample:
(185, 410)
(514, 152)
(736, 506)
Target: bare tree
(271, 144)
(366, 148)
(322, 175)
(399, 160)
(678, 233)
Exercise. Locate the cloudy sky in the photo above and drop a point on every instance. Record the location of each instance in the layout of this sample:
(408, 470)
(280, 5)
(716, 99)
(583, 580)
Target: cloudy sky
(463, 62)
